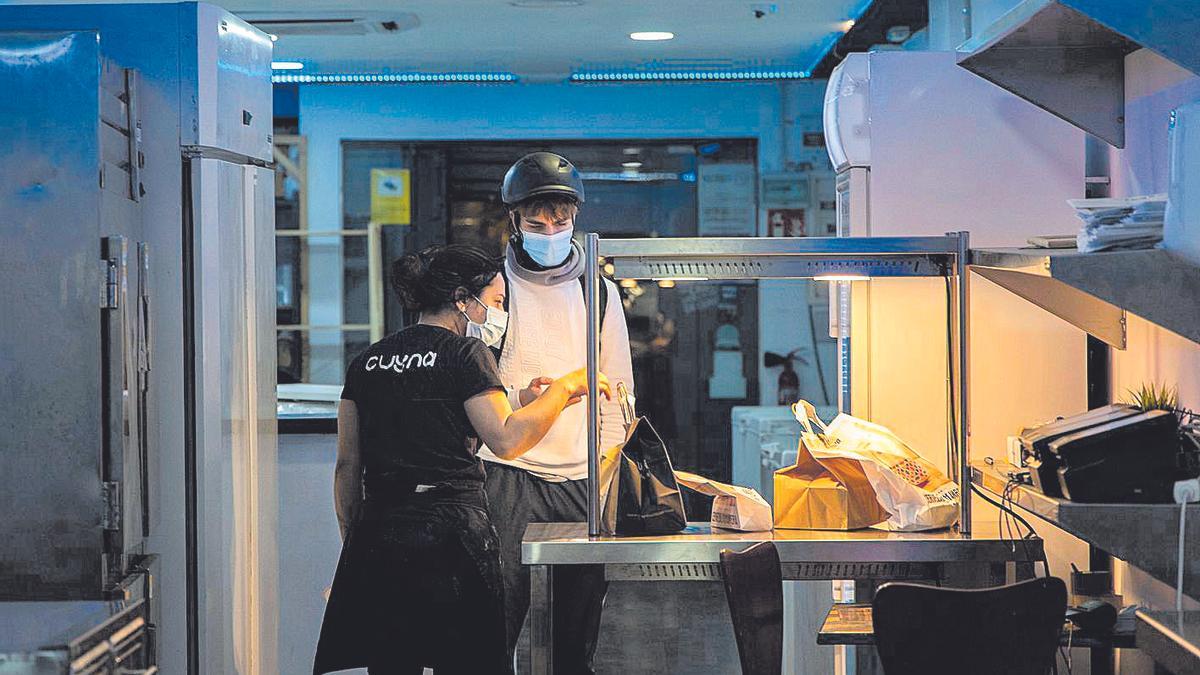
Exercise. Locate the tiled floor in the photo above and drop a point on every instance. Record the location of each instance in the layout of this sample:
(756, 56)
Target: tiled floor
(677, 628)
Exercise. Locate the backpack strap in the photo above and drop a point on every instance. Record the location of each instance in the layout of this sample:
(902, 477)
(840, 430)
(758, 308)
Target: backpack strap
(498, 350)
(603, 297)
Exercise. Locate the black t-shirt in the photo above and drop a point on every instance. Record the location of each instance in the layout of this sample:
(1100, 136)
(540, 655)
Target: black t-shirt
(409, 389)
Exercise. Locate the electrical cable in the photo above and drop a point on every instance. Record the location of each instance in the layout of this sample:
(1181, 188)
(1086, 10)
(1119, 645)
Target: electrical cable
(1030, 532)
(1005, 511)
(1014, 532)
(1179, 567)
(1010, 512)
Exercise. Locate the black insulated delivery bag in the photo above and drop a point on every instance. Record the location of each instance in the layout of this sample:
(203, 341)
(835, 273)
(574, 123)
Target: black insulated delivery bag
(638, 491)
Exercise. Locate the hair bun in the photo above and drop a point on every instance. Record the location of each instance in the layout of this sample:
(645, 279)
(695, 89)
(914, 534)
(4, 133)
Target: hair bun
(409, 273)
(439, 275)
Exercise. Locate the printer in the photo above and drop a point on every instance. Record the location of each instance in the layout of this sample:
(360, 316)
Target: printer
(1113, 454)
(1035, 442)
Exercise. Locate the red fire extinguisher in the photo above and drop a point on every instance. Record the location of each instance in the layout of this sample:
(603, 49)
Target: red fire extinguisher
(789, 381)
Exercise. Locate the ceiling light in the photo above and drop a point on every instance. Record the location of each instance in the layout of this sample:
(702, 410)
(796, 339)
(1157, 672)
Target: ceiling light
(780, 73)
(544, 4)
(631, 151)
(847, 25)
(286, 65)
(631, 165)
(393, 78)
(651, 36)
(273, 36)
(841, 277)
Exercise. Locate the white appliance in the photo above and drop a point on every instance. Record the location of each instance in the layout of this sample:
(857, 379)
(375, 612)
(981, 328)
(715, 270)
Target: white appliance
(756, 430)
(765, 439)
(162, 137)
(924, 147)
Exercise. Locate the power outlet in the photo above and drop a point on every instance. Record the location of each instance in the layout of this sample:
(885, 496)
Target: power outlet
(1187, 491)
(1013, 447)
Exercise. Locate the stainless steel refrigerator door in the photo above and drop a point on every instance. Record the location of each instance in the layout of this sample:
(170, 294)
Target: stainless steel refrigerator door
(235, 415)
(50, 273)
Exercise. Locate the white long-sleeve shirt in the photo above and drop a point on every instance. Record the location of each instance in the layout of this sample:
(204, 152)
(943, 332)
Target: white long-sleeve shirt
(547, 337)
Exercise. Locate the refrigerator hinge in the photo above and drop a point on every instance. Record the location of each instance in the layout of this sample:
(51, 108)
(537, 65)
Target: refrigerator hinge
(110, 492)
(109, 284)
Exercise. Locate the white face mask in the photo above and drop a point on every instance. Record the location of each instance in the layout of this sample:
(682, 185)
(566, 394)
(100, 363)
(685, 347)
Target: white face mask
(547, 250)
(491, 331)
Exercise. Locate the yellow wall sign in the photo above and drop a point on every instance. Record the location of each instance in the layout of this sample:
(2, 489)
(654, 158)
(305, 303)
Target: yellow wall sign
(390, 197)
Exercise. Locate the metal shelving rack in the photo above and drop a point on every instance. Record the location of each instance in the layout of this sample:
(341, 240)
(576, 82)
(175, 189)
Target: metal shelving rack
(836, 258)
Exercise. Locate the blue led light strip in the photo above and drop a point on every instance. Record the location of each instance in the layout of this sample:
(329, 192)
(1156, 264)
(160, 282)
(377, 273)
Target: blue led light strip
(688, 75)
(355, 78)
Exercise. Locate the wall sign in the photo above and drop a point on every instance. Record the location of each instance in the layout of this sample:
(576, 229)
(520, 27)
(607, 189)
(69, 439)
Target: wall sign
(786, 222)
(391, 202)
(727, 200)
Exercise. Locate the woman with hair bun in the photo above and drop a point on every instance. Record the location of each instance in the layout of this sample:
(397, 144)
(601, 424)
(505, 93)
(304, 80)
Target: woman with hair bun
(418, 583)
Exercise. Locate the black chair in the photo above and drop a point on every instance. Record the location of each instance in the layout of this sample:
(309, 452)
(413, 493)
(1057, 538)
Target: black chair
(1009, 630)
(754, 589)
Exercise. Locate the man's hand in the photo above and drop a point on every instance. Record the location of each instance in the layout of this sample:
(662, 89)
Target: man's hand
(536, 386)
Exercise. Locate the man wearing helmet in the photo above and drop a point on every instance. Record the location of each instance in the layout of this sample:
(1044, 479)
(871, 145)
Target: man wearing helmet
(546, 338)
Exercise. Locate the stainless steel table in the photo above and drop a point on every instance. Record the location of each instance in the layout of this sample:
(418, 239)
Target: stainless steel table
(1171, 639)
(982, 558)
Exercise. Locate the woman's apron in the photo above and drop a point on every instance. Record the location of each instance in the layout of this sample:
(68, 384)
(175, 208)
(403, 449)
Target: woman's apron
(418, 571)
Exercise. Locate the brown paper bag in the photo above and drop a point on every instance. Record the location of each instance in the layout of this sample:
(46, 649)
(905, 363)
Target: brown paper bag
(825, 494)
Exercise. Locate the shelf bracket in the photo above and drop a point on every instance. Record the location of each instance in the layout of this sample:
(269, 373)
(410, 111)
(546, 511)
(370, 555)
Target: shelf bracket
(1060, 60)
(1086, 312)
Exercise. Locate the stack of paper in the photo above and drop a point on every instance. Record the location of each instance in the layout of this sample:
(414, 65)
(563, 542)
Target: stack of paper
(1134, 222)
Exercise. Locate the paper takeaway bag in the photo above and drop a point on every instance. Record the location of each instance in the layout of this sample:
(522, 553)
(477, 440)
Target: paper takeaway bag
(823, 491)
(734, 507)
(864, 459)
(914, 492)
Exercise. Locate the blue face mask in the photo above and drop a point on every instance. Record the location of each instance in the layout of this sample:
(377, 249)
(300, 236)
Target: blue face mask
(547, 250)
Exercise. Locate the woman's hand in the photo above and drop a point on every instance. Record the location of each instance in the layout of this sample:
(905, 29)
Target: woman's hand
(536, 386)
(510, 434)
(576, 387)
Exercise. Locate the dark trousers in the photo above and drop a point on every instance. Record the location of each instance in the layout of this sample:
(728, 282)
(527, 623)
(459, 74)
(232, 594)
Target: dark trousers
(517, 498)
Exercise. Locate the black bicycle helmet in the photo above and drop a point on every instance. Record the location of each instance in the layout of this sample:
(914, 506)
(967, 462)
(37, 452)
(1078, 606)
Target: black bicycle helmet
(541, 173)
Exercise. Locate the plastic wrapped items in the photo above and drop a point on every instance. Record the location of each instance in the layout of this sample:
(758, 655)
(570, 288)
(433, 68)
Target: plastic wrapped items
(1109, 224)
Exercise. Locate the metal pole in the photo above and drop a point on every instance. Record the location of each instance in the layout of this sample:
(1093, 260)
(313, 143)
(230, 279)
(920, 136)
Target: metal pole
(591, 285)
(964, 453)
(375, 280)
